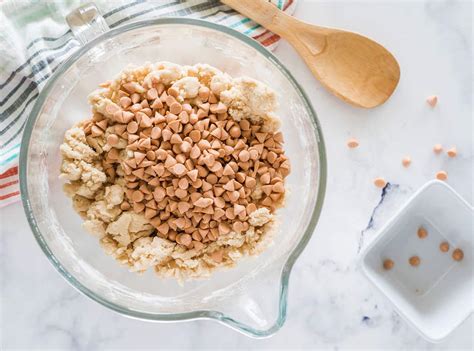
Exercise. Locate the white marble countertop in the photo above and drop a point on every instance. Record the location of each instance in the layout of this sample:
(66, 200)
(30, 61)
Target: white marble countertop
(331, 305)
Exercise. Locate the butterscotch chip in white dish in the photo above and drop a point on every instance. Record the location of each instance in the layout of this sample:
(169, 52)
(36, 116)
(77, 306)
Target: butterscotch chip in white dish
(422, 233)
(458, 255)
(444, 246)
(414, 261)
(180, 168)
(388, 264)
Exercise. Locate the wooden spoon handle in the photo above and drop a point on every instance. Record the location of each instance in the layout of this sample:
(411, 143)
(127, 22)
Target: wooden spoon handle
(265, 13)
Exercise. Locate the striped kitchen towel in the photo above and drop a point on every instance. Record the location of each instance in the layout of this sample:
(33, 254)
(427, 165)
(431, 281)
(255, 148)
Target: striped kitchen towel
(35, 39)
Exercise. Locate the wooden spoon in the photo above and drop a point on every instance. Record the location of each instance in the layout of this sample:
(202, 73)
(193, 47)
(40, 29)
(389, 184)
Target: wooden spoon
(352, 67)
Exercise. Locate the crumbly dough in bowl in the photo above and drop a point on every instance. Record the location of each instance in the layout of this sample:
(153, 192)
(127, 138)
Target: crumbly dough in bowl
(179, 169)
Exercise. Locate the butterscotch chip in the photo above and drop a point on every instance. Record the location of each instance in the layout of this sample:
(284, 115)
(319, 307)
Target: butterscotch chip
(203, 93)
(198, 245)
(217, 256)
(223, 228)
(124, 206)
(161, 154)
(171, 235)
(195, 152)
(195, 135)
(414, 261)
(96, 131)
(125, 101)
(229, 186)
(380, 182)
(159, 194)
(458, 255)
(166, 134)
(442, 175)
(216, 168)
(352, 143)
(437, 148)
(137, 196)
(253, 154)
(139, 157)
(244, 156)
(432, 100)
(251, 207)
(113, 154)
(157, 104)
(132, 127)
(185, 239)
(278, 187)
(235, 132)
(180, 193)
(151, 155)
(219, 202)
(250, 182)
(204, 144)
(138, 207)
(170, 161)
(212, 179)
(193, 174)
(183, 207)
(267, 201)
(150, 213)
(238, 209)
(183, 183)
(406, 161)
(203, 202)
(185, 147)
(422, 233)
(388, 264)
(238, 226)
(229, 213)
(452, 152)
(444, 246)
(265, 178)
(163, 228)
(244, 124)
(267, 189)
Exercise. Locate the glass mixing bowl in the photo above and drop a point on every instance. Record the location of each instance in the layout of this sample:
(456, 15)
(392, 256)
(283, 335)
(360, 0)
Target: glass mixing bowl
(252, 297)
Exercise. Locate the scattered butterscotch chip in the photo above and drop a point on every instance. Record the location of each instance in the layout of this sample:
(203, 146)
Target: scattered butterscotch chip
(388, 264)
(352, 143)
(452, 152)
(442, 175)
(432, 100)
(380, 182)
(458, 255)
(414, 261)
(406, 161)
(422, 233)
(438, 148)
(444, 246)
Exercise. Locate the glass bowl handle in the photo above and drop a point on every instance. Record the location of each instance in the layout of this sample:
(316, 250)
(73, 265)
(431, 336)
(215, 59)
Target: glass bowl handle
(86, 22)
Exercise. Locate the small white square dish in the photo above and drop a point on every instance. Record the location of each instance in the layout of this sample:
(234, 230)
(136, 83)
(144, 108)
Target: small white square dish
(436, 296)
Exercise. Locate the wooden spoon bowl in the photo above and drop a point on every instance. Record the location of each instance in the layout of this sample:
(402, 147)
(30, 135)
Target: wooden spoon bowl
(354, 68)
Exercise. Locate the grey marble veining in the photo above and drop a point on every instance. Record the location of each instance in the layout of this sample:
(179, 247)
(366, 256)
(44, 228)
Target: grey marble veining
(331, 305)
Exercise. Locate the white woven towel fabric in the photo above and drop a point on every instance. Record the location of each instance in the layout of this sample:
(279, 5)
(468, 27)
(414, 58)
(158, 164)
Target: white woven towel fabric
(35, 40)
